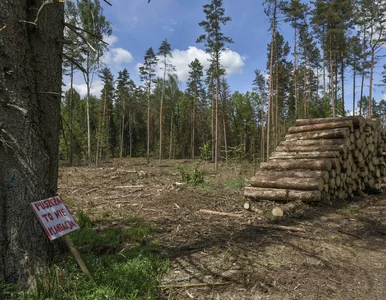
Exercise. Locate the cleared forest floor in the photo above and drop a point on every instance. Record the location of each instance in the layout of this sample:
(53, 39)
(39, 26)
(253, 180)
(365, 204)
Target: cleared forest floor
(341, 254)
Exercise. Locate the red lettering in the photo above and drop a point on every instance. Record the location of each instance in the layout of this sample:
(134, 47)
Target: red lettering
(60, 213)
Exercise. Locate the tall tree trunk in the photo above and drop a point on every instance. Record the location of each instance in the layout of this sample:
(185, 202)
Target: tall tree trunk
(277, 107)
(354, 85)
(88, 108)
(193, 124)
(216, 113)
(161, 114)
(324, 71)
(225, 138)
(148, 124)
(262, 147)
(295, 76)
(342, 84)
(270, 99)
(213, 121)
(71, 107)
(130, 134)
(122, 129)
(29, 133)
(305, 90)
(171, 130)
(332, 82)
(363, 69)
(370, 108)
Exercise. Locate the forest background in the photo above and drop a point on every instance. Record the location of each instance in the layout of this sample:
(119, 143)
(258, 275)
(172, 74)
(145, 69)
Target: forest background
(219, 80)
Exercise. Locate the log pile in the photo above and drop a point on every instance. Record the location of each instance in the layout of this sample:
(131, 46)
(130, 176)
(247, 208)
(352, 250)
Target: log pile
(329, 158)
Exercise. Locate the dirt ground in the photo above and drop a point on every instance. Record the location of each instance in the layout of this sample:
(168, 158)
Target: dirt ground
(341, 254)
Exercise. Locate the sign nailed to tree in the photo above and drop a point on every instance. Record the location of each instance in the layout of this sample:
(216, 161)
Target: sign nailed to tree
(54, 217)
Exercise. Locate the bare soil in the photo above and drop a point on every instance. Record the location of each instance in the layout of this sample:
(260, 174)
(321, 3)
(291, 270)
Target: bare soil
(341, 254)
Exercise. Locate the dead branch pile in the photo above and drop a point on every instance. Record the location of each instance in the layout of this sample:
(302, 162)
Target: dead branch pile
(329, 158)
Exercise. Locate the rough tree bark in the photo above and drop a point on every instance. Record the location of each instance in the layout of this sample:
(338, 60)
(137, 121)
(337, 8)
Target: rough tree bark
(30, 94)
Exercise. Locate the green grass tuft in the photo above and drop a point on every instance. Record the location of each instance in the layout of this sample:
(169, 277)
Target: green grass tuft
(121, 256)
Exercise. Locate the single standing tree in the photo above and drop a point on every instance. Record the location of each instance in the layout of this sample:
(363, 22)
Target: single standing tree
(165, 53)
(295, 13)
(215, 41)
(30, 96)
(260, 86)
(147, 74)
(195, 87)
(271, 12)
(72, 61)
(95, 26)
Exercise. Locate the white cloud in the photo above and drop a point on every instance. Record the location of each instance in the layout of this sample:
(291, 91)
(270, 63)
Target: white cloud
(117, 56)
(110, 39)
(232, 61)
(96, 88)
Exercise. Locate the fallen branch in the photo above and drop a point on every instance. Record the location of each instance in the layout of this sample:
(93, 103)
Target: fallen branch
(130, 187)
(212, 212)
(2, 28)
(280, 227)
(191, 285)
(90, 191)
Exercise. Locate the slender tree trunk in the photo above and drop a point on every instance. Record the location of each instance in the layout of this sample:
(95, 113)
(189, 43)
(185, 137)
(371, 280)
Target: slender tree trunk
(213, 131)
(171, 131)
(354, 86)
(71, 107)
(193, 124)
(277, 107)
(130, 134)
(370, 109)
(148, 124)
(161, 114)
(324, 73)
(295, 75)
(332, 82)
(363, 69)
(262, 147)
(29, 135)
(305, 90)
(342, 84)
(225, 138)
(88, 109)
(216, 114)
(270, 100)
(122, 132)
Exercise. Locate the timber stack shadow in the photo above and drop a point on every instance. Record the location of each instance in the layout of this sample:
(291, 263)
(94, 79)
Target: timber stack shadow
(323, 159)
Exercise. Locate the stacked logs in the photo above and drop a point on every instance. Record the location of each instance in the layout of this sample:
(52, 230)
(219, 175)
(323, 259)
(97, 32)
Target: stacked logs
(329, 158)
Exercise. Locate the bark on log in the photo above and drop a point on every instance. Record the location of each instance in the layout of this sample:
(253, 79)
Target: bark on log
(319, 142)
(304, 184)
(290, 207)
(281, 195)
(337, 133)
(305, 164)
(322, 126)
(303, 155)
(294, 174)
(358, 121)
(313, 148)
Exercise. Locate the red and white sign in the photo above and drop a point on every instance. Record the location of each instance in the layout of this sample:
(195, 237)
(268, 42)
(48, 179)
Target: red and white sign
(54, 217)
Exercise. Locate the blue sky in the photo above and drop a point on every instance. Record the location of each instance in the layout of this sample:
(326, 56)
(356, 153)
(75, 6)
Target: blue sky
(138, 25)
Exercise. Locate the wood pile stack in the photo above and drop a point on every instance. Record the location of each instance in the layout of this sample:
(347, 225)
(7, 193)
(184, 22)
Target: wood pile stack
(329, 158)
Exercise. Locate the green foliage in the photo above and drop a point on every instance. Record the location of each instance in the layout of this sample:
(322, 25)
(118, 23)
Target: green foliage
(121, 256)
(7, 290)
(206, 151)
(193, 177)
(235, 183)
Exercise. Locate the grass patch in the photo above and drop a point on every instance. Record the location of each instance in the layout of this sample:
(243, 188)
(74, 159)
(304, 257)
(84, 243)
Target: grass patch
(122, 257)
(235, 183)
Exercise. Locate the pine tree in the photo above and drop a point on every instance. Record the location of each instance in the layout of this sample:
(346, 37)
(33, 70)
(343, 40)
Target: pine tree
(95, 26)
(295, 13)
(195, 88)
(147, 72)
(215, 42)
(165, 53)
(260, 87)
